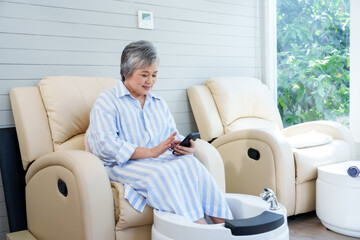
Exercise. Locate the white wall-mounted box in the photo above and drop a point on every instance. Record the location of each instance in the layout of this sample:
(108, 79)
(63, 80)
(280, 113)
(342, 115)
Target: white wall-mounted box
(145, 20)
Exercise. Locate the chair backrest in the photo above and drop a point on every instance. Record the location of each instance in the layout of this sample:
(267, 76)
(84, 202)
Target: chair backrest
(55, 115)
(224, 100)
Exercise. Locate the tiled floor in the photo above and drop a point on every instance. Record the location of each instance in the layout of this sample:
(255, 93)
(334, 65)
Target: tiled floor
(308, 226)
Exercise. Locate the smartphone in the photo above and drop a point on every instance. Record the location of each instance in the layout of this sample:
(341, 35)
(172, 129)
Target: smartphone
(186, 141)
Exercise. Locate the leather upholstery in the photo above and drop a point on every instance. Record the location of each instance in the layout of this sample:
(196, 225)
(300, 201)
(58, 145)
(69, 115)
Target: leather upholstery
(308, 159)
(68, 102)
(52, 215)
(205, 108)
(51, 121)
(125, 215)
(228, 92)
(31, 122)
(241, 114)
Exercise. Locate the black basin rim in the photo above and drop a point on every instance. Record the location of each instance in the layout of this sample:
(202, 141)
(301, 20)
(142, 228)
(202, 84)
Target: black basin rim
(265, 222)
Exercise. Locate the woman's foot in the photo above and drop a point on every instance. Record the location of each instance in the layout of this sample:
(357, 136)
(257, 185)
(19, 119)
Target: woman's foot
(201, 221)
(217, 220)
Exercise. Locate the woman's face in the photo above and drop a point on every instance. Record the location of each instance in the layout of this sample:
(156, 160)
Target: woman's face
(141, 81)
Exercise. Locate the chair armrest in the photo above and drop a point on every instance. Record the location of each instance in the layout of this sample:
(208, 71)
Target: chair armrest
(334, 129)
(282, 159)
(211, 159)
(204, 108)
(86, 211)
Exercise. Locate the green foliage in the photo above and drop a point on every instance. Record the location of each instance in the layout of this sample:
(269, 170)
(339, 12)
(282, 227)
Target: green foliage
(313, 60)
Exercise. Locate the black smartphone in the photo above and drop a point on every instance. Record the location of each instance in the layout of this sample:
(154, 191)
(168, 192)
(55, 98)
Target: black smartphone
(186, 141)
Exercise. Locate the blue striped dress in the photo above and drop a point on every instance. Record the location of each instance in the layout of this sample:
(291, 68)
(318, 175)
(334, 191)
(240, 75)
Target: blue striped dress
(177, 184)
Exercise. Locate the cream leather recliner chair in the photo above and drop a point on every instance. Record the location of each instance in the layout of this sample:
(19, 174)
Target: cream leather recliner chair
(241, 119)
(68, 193)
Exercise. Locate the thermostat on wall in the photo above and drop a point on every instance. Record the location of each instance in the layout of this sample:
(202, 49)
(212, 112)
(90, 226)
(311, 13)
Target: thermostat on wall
(145, 20)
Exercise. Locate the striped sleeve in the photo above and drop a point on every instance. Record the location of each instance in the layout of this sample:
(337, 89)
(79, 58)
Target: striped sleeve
(103, 134)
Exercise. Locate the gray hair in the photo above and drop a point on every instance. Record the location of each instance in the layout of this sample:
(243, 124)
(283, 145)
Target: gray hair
(137, 55)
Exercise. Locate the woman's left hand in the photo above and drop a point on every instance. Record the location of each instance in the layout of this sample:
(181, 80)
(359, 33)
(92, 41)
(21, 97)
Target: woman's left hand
(181, 150)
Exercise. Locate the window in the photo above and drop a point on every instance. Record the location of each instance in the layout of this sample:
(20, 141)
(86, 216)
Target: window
(313, 60)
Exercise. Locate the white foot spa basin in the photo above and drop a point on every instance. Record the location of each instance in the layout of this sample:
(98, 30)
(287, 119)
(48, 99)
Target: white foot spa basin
(253, 219)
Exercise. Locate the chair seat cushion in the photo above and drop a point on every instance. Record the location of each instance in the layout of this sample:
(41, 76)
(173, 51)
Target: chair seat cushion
(249, 123)
(307, 160)
(125, 215)
(309, 139)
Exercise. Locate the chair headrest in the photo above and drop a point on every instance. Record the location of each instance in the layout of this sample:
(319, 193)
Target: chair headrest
(241, 97)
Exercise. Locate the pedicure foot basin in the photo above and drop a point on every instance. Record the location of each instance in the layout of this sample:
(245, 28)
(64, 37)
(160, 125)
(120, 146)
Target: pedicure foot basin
(253, 220)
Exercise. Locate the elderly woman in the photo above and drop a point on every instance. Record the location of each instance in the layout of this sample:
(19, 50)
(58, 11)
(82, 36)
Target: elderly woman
(133, 132)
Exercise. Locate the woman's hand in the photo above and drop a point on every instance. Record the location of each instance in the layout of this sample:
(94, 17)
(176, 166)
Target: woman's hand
(181, 150)
(163, 146)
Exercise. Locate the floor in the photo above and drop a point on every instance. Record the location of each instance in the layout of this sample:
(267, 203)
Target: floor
(308, 226)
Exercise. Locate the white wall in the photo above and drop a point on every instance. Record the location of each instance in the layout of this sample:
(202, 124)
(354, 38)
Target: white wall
(196, 39)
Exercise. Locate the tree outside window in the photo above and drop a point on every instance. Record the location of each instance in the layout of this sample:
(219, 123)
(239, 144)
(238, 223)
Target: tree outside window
(313, 60)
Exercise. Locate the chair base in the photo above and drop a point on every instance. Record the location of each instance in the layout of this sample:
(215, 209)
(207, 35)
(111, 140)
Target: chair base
(21, 235)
